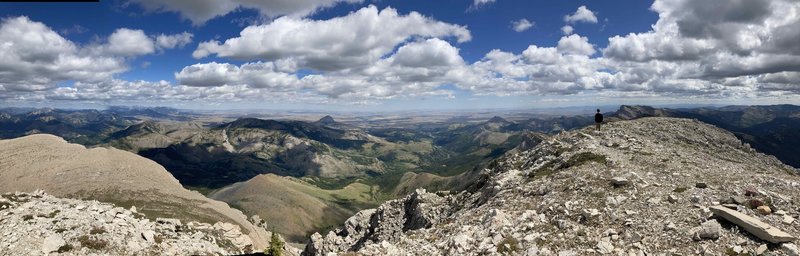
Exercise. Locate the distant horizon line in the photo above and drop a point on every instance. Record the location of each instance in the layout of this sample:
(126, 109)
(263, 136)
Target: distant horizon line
(466, 110)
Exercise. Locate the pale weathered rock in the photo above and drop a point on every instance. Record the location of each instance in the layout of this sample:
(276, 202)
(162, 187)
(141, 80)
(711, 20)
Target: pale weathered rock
(787, 219)
(731, 206)
(670, 226)
(567, 253)
(672, 198)
(753, 225)
(761, 249)
(790, 249)
(590, 214)
(52, 243)
(605, 247)
(737, 249)
(708, 230)
(149, 235)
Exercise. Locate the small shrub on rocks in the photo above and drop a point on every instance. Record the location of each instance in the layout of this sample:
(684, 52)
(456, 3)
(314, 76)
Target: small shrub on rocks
(53, 214)
(585, 157)
(65, 248)
(508, 246)
(97, 230)
(275, 246)
(92, 242)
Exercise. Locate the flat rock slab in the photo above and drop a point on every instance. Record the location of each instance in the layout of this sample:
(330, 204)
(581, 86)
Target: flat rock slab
(754, 226)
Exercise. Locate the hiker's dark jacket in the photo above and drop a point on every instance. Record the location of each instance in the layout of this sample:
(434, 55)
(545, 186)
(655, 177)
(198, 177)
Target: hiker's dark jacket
(598, 118)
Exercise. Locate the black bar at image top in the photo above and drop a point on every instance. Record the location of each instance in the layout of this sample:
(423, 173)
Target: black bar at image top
(49, 1)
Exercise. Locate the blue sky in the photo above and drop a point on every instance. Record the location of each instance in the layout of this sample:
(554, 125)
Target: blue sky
(458, 54)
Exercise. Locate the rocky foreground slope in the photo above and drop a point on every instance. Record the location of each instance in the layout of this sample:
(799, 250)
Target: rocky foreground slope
(51, 164)
(41, 224)
(649, 186)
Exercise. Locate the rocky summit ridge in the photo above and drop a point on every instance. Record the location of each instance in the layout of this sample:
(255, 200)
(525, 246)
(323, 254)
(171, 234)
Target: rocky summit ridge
(41, 224)
(651, 186)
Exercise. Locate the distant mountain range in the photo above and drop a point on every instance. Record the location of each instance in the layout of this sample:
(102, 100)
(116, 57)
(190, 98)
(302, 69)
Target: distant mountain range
(332, 169)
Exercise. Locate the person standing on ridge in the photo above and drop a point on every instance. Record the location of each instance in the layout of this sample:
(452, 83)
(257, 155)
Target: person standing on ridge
(598, 119)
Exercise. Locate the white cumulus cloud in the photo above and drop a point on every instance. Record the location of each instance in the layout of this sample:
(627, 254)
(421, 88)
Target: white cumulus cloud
(479, 3)
(34, 57)
(200, 11)
(347, 42)
(129, 42)
(567, 30)
(521, 25)
(583, 14)
(575, 44)
(172, 41)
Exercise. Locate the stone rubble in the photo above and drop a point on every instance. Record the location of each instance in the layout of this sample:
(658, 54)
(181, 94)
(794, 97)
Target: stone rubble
(40, 224)
(567, 197)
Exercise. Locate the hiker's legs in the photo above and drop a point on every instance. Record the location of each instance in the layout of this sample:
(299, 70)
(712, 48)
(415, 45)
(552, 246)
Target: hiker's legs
(597, 126)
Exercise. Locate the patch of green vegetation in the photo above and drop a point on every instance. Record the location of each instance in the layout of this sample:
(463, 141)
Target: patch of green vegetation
(92, 242)
(508, 246)
(583, 158)
(598, 194)
(544, 171)
(330, 183)
(97, 230)
(53, 214)
(275, 245)
(237, 206)
(203, 190)
(679, 189)
(579, 159)
(65, 248)
(560, 150)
